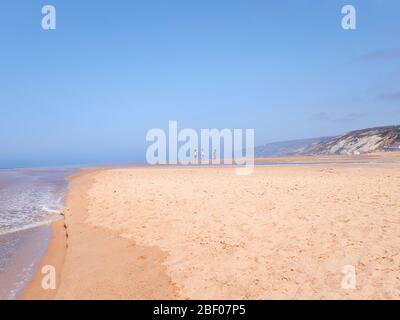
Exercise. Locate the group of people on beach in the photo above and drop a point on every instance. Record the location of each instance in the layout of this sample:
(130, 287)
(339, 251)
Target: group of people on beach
(195, 156)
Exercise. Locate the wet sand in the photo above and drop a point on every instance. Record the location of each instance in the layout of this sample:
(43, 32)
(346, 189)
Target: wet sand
(54, 256)
(30, 198)
(20, 251)
(205, 233)
(95, 263)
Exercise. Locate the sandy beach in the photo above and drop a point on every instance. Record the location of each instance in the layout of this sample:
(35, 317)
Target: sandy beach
(283, 232)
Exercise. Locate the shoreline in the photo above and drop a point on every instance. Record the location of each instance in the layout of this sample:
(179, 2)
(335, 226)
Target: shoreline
(17, 269)
(31, 201)
(282, 232)
(91, 244)
(56, 250)
(55, 254)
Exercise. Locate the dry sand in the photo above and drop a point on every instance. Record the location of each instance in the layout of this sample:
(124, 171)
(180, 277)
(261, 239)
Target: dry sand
(205, 233)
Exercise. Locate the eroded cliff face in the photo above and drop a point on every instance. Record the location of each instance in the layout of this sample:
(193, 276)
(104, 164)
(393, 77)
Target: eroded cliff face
(357, 142)
(354, 142)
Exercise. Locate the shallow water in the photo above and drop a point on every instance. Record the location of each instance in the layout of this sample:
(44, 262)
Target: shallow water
(29, 200)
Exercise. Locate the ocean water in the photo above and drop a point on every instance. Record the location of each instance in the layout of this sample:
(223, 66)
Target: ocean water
(29, 200)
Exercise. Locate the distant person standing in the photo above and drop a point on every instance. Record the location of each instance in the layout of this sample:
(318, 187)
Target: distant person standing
(195, 154)
(202, 154)
(215, 154)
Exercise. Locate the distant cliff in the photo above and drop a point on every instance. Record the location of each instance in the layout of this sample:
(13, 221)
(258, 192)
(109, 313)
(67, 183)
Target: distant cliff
(287, 148)
(354, 142)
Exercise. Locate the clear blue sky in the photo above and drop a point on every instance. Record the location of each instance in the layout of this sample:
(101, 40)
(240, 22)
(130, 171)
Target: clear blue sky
(89, 91)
